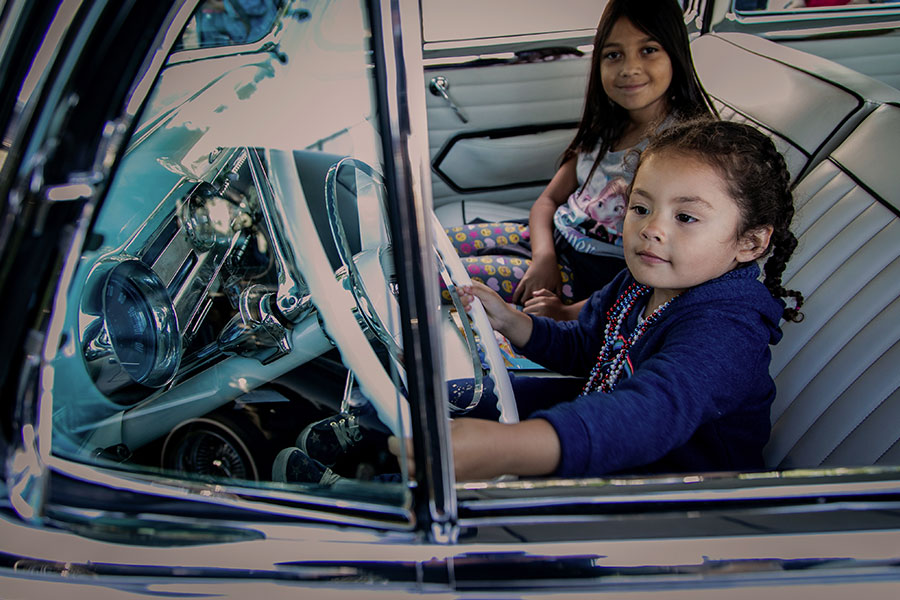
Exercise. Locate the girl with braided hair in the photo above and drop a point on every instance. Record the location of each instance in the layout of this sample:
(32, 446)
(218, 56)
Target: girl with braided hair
(674, 351)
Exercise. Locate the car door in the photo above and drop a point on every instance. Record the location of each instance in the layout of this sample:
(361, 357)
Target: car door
(503, 99)
(164, 326)
(197, 187)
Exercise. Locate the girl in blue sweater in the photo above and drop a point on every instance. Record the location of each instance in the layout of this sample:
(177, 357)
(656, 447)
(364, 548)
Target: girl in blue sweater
(675, 350)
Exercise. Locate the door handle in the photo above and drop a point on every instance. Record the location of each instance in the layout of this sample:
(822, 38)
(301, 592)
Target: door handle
(438, 87)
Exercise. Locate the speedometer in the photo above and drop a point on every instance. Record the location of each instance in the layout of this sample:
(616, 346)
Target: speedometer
(141, 324)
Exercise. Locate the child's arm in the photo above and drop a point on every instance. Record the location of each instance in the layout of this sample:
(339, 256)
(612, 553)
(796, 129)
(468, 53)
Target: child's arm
(545, 303)
(516, 326)
(544, 269)
(487, 449)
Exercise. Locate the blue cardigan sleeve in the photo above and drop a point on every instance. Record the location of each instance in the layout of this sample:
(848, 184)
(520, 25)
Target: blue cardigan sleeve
(699, 368)
(571, 347)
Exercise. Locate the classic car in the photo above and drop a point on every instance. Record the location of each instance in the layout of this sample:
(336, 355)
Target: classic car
(223, 222)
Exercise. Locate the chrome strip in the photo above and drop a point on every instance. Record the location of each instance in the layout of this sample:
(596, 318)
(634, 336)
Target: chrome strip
(710, 513)
(575, 35)
(280, 500)
(756, 486)
(843, 30)
(488, 59)
(405, 133)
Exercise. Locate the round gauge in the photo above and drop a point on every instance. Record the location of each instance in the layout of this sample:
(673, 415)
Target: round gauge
(141, 324)
(208, 218)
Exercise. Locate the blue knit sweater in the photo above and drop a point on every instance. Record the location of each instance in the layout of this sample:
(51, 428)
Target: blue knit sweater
(700, 393)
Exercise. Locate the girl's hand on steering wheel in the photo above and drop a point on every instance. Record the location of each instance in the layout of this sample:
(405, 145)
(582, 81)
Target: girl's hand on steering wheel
(516, 326)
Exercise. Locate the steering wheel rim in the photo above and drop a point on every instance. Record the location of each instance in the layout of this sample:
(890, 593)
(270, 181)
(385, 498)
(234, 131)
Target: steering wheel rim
(355, 281)
(506, 402)
(359, 272)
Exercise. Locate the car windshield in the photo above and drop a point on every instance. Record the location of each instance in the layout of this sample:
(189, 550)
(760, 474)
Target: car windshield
(237, 296)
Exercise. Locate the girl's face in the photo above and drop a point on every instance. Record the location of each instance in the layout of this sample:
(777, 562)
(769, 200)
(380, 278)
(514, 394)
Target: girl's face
(681, 226)
(635, 71)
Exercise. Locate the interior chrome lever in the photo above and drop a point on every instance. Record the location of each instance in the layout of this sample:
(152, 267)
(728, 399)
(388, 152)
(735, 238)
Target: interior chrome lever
(438, 87)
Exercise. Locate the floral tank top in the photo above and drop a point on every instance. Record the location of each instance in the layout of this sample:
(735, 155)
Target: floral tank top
(591, 219)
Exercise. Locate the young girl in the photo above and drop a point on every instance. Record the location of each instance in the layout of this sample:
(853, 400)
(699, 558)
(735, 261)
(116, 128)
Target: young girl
(642, 79)
(676, 348)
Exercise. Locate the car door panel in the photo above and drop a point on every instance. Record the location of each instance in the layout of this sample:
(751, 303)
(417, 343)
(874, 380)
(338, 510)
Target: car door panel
(520, 119)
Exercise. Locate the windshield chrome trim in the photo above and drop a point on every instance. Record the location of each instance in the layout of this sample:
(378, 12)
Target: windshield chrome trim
(261, 501)
(401, 96)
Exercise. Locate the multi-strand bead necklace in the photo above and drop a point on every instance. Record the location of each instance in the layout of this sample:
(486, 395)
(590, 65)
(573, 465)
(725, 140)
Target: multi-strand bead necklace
(604, 380)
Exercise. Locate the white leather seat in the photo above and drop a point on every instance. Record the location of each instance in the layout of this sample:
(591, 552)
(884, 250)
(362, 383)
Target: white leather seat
(837, 371)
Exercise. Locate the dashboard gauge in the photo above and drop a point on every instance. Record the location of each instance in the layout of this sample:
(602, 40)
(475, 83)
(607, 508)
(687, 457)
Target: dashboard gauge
(208, 218)
(141, 324)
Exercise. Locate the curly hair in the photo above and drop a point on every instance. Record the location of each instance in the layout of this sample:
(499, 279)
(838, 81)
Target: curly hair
(756, 177)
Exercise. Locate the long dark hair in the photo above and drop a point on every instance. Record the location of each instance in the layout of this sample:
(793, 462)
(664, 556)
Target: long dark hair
(604, 121)
(756, 177)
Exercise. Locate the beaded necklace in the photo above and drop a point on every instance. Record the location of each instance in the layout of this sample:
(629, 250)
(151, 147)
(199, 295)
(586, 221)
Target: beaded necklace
(605, 380)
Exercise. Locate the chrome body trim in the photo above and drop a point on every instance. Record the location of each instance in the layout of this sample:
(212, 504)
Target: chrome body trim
(398, 67)
(42, 401)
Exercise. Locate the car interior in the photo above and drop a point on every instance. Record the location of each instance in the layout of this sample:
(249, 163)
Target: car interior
(837, 391)
(224, 404)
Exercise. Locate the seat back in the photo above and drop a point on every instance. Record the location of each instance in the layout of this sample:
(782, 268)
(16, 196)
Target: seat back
(836, 372)
(808, 105)
(312, 167)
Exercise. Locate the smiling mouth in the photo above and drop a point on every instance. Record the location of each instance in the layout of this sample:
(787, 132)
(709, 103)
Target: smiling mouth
(632, 88)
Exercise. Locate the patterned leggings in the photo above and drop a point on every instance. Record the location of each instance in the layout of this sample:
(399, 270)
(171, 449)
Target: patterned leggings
(494, 254)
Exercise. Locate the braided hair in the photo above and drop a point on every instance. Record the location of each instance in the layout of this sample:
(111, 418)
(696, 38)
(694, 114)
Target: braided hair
(756, 177)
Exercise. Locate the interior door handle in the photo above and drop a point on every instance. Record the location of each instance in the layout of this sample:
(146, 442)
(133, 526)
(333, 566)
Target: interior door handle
(438, 87)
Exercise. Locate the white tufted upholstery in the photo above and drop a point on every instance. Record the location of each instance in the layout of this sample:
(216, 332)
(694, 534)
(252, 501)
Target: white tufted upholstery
(837, 372)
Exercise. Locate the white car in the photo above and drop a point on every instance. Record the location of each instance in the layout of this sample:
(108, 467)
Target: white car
(223, 222)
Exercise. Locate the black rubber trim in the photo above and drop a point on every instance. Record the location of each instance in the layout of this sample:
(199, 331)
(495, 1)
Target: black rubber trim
(505, 132)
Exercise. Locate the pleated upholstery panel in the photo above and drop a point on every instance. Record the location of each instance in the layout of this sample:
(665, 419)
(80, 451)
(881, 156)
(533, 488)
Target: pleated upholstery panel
(796, 159)
(837, 371)
(782, 91)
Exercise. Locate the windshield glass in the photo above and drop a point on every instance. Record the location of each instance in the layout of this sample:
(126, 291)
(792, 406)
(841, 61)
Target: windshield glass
(237, 300)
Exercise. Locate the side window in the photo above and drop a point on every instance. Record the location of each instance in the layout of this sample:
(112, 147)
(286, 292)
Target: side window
(861, 35)
(786, 5)
(230, 23)
(236, 295)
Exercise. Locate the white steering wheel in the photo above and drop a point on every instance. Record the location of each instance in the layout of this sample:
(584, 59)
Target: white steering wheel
(369, 275)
